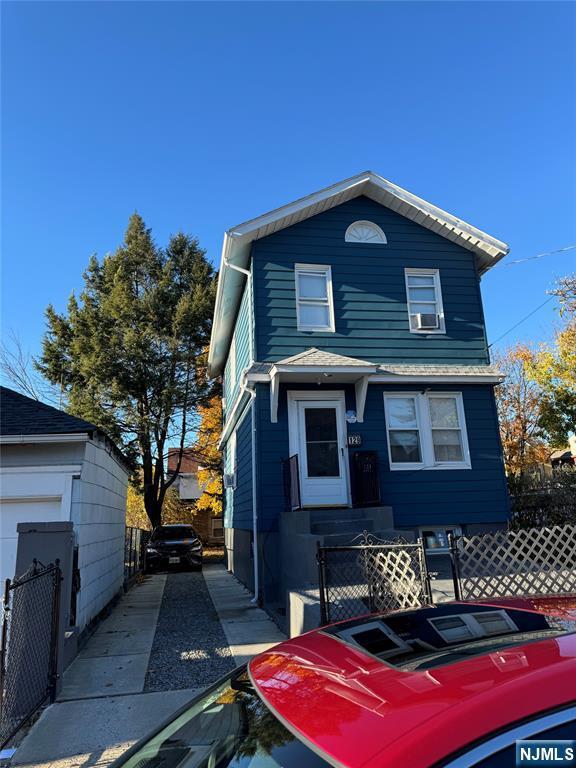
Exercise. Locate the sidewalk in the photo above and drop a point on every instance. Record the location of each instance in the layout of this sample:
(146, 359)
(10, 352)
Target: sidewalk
(106, 704)
(101, 710)
(248, 629)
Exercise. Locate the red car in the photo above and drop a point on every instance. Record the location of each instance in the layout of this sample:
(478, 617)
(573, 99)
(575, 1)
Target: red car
(454, 685)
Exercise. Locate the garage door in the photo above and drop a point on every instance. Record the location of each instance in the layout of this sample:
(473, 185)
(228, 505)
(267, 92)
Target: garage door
(14, 512)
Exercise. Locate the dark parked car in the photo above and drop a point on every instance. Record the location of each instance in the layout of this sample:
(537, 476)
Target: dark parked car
(172, 546)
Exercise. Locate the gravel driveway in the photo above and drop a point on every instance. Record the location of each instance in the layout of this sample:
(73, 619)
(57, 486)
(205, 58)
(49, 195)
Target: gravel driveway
(190, 648)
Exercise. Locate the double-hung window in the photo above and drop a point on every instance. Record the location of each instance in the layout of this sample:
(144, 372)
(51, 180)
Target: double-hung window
(424, 298)
(314, 302)
(426, 431)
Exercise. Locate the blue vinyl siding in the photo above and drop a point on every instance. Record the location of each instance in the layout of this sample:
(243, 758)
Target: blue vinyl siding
(238, 501)
(369, 290)
(242, 333)
(429, 497)
(420, 497)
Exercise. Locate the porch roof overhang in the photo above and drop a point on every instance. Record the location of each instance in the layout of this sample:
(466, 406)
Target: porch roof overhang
(238, 240)
(302, 369)
(318, 367)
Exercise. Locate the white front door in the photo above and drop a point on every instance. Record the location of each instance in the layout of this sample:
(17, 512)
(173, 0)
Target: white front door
(317, 429)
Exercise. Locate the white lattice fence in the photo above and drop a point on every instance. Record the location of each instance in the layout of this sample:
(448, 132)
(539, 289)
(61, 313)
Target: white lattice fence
(371, 576)
(538, 561)
(396, 577)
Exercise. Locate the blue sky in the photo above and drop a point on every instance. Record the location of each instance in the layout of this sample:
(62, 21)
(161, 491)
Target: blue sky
(202, 115)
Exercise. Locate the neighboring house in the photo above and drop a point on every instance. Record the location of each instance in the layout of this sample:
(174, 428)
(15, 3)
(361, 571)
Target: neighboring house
(208, 527)
(56, 467)
(350, 334)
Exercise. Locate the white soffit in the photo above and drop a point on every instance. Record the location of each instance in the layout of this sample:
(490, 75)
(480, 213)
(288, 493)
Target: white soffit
(238, 240)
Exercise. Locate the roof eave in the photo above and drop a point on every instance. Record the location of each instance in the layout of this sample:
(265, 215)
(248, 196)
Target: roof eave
(237, 241)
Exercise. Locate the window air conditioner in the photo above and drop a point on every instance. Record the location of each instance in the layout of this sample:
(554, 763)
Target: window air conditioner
(427, 322)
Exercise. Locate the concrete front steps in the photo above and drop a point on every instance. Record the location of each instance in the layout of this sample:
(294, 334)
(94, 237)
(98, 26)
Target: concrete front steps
(302, 531)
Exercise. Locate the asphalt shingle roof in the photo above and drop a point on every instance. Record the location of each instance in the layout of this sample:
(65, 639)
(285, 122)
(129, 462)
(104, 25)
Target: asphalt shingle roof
(317, 357)
(21, 415)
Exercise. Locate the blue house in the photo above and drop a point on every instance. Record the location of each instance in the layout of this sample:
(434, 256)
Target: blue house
(358, 390)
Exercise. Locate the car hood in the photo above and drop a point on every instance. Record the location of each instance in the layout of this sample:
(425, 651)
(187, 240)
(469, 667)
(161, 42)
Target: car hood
(360, 711)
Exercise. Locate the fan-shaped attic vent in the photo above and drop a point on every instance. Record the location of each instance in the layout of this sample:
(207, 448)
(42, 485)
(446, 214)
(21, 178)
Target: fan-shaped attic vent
(365, 232)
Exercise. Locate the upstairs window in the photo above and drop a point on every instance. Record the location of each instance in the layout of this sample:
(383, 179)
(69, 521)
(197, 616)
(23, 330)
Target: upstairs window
(426, 431)
(365, 232)
(314, 302)
(424, 298)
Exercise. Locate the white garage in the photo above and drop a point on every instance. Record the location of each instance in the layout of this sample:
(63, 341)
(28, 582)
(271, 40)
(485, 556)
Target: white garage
(56, 467)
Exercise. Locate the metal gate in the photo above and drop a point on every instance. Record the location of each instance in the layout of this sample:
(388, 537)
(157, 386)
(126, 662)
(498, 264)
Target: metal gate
(371, 577)
(29, 646)
(135, 540)
(538, 561)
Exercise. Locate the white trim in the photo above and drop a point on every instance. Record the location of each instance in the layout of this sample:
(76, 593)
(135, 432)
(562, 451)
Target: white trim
(378, 378)
(439, 307)
(294, 396)
(412, 465)
(431, 378)
(65, 437)
(380, 238)
(317, 269)
(360, 369)
(274, 392)
(27, 499)
(361, 390)
(428, 460)
(42, 468)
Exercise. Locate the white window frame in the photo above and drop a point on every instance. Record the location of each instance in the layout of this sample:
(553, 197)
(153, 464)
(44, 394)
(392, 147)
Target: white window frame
(421, 272)
(424, 426)
(322, 269)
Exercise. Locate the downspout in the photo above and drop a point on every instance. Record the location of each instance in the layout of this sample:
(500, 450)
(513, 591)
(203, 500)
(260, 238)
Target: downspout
(244, 387)
(252, 392)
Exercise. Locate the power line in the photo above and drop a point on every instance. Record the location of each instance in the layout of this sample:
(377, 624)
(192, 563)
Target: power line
(548, 300)
(533, 258)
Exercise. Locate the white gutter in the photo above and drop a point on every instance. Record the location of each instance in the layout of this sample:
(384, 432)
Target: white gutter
(71, 437)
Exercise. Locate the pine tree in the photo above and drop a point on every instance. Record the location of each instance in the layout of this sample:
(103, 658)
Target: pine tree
(130, 354)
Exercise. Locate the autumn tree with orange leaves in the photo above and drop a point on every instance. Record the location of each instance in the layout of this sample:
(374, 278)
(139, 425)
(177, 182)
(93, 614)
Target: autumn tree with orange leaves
(519, 409)
(209, 456)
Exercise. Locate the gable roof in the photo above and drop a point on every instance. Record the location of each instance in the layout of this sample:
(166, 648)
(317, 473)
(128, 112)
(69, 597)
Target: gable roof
(21, 415)
(238, 241)
(316, 357)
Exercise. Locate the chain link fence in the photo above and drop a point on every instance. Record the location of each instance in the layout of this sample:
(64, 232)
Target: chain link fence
(371, 576)
(29, 646)
(537, 561)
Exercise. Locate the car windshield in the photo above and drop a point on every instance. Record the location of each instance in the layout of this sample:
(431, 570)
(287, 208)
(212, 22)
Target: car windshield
(229, 727)
(174, 533)
(448, 633)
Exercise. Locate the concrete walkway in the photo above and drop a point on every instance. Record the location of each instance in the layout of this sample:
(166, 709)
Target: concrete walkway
(101, 710)
(248, 629)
